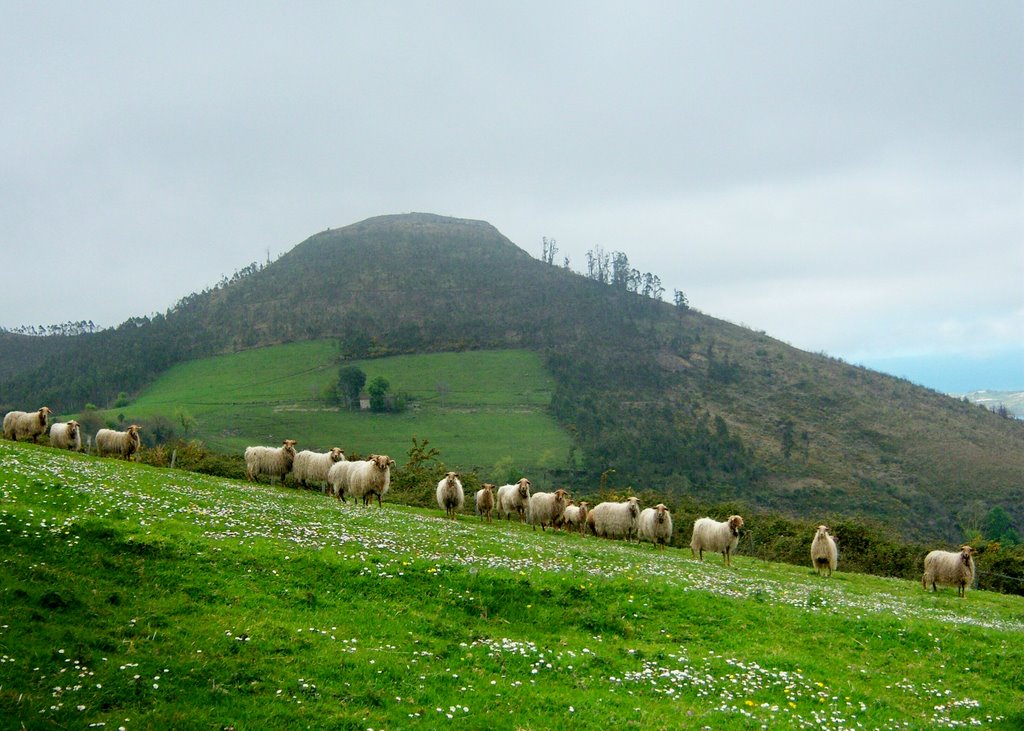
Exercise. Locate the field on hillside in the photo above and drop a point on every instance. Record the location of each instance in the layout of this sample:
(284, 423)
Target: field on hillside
(134, 597)
(494, 405)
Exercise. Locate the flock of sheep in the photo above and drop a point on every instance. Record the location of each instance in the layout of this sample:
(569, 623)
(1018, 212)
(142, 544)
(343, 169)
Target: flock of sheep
(366, 479)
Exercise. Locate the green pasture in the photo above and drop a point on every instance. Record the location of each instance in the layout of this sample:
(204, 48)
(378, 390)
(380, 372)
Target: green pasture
(476, 407)
(135, 597)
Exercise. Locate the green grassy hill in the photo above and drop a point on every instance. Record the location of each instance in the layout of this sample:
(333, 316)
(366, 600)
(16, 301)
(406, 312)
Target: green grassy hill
(136, 597)
(495, 405)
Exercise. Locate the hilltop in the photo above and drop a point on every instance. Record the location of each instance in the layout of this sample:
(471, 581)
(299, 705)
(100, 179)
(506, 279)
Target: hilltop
(653, 396)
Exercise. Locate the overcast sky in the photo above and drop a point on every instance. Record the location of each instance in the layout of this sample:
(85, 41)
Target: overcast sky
(847, 177)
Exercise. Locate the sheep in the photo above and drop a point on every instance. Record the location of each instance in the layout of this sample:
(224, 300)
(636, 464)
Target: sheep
(337, 478)
(710, 535)
(824, 554)
(313, 466)
(66, 435)
(485, 501)
(21, 425)
(368, 478)
(574, 517)
(273, 461)
(655, 525)
(615, 520)
(124, 444)
(945, 568)
(546, 508)
(514, 499)
(450, 496)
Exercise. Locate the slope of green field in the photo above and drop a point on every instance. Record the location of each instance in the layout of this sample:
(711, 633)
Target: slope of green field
(493, 405)
(134, 597)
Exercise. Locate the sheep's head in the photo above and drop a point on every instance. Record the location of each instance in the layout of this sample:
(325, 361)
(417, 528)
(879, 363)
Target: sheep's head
(72, 428)
(965, 554)
(735, 523)
(634, 506)
(43, 413)
(524, 487)
(487, 487)
(134, 430)
(660, 512)
(584, 505)
(822, 532)
(451, 478)
(382, 461)
(336, 454)
(560, 496)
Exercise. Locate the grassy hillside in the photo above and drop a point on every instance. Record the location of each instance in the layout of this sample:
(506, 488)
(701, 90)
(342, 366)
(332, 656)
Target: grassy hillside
(142, 598)
(494, 407)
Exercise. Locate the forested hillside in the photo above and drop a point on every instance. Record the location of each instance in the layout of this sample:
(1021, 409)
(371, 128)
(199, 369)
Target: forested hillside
(656, 396)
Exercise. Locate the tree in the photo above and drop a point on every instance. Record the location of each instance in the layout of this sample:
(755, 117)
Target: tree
(680, 301)
(350, 382)
(550, 249)
(378, 390)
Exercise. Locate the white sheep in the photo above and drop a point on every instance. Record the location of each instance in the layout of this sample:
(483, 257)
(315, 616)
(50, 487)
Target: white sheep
(273, 461)
(514, 499)
(337, 478)
(574, 517)
(615, 520)
(710, 535)
(124, 444)
(368, 478)
(313, 467)
(945, 568)
(450, 496)
(824, 553)
(21, 425)
(546, 508)
(66, 435)
(655, 525)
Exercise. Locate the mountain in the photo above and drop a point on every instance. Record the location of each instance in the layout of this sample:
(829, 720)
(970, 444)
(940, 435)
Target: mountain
(1012, 402)
(655, 396)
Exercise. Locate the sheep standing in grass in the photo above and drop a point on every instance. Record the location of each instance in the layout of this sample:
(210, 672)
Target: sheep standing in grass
(450, 496)
(655, 525)
(615, 520)
(337, 479)
(546, 508)
(273, 461)
(514, 499)
(21, 425)
(574, 517)
(124, 444)
(313, 466)
(485, 501)
(368, 478)
(824, 553)
(710, 535)
(945, 568)
(66, 435)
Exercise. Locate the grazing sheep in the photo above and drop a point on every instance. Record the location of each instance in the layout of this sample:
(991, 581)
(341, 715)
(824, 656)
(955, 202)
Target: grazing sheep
(945, 568)
(450, 496)
(514, 499)
(615, 520)
(546, 508)
(369, 478)
(824, 554)
(574, 517)
(655, 525)
(485, 501)
(66, 435)
(21, 425)
(273, 461)
(314, 466)
(124, 444)
(710, 535)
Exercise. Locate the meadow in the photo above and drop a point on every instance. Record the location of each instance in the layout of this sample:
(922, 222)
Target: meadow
(494, 403)
(135, 597)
